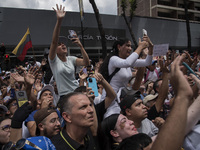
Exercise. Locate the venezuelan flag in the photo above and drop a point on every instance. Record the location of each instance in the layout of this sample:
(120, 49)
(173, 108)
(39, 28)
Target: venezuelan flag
(24, 45)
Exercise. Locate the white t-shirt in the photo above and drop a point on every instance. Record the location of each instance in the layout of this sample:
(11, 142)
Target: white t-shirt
(148, 128)
(64, 74)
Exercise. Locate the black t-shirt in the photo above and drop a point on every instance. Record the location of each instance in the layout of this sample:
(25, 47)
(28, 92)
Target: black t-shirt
(152, 113)
(67, 143)
(100, 111)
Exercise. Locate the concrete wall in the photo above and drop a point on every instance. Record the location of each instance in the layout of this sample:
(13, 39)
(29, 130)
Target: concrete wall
(14, 22)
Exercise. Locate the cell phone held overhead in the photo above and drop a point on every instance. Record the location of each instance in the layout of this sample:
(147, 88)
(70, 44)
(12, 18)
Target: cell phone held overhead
(144, 32)
(190, 70)
(93, 84)
(72, 34)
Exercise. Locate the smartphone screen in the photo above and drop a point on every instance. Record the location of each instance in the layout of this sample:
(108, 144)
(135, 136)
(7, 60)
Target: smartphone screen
(72, 33)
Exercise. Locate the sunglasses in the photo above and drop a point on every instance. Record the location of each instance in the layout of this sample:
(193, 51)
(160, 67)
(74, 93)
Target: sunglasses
(21, 144)
(6, 128)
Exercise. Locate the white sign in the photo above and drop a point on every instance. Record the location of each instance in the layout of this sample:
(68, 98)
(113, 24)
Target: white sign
(160, 50)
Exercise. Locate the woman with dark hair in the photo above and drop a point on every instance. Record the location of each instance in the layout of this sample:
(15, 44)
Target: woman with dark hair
(138, 141)
(114, 129)
(116, 68)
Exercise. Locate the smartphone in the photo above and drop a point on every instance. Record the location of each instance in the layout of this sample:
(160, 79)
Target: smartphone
(72, 34)
(190, 70)
(93, 84)
(21, 97)
(85, 70)
(144, 32)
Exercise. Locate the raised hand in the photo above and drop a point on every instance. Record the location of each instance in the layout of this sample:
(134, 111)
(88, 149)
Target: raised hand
(179, 82)
(38, 85)
(60, 12)
(98, 77)
(147, 39)
(143, 44)
(29, 76)
(158, 122)
(196, 80)
(17, 77)
(90, 93)
(82, 75)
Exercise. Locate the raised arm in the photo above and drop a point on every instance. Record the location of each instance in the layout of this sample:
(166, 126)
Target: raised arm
(172, 132)
(163, 88)
(79, 61)
(130, 61)
(29, 78)
(60, 15)
(110, 93)
(138, 78)
(194, 109)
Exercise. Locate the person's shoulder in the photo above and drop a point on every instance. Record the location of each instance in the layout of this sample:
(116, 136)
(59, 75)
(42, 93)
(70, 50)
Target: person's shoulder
(56, 139)
(114, 57)
(71, 57)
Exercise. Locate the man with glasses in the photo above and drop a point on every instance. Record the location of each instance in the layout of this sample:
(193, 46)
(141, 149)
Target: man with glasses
(47, 122)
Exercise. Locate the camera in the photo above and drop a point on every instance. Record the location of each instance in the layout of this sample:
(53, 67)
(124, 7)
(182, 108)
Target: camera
(90, 79)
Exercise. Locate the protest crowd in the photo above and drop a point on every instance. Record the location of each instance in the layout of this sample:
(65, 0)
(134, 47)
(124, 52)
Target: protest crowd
(128, 101)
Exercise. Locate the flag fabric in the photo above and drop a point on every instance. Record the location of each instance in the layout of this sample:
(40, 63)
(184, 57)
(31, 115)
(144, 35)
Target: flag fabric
(81, 9)
(24, 45)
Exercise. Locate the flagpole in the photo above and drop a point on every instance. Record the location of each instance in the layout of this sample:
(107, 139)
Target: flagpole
(33, 53)
(33, 49)
(81, 18)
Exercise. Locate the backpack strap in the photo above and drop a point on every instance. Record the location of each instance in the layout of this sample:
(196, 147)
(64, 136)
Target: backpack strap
(114, 72)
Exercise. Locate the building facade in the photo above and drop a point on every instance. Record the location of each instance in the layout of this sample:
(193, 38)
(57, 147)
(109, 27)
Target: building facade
(14, 23)
(169, 9)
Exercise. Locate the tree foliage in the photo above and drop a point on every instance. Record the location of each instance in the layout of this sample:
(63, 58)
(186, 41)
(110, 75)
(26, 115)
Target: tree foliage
(100, 27)
(133, 6)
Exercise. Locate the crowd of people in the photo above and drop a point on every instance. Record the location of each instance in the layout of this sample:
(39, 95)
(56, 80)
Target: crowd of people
(143, 102)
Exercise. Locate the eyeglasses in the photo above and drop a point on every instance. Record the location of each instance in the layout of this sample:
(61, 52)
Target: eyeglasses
(8, 146)
(13, 104)
(6, 128)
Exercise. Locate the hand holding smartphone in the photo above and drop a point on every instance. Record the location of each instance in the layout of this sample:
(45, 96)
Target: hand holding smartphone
(72, 34)
(93, 84)
(144, 32)
(190, 70)
(85, 70)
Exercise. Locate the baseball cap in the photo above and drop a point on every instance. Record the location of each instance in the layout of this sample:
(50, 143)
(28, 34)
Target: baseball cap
(46, 87)
(128, 91)
(62, 39)
(128, 100)
(154, 61)
(41, 114)
(149, 98)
